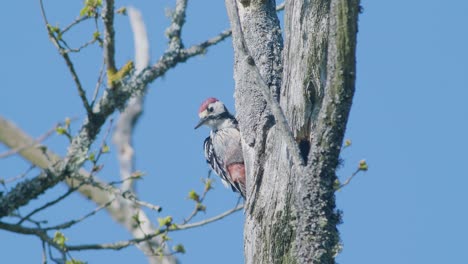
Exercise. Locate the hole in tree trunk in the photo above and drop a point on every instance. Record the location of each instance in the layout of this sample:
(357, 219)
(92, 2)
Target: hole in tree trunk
(304, 147)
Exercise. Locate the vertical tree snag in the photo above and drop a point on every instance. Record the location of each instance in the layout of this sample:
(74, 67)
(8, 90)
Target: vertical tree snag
(290, 208)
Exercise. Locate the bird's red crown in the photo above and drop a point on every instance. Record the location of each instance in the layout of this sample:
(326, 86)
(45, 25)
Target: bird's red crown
(207, 102)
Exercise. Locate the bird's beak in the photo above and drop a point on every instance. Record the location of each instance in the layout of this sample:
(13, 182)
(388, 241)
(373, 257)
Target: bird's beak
(201, 122)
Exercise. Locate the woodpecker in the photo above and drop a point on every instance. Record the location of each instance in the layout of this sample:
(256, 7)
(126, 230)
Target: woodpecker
(223, 149)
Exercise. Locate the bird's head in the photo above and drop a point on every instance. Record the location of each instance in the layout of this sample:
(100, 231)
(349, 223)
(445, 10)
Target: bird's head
(213, 113)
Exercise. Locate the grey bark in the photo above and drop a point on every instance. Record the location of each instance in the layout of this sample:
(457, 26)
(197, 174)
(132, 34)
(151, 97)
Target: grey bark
(290, 207)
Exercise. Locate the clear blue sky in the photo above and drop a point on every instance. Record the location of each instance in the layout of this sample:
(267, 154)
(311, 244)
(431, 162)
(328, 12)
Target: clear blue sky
(409, 120)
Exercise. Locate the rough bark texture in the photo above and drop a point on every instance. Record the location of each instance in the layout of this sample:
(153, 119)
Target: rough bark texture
(290, 208)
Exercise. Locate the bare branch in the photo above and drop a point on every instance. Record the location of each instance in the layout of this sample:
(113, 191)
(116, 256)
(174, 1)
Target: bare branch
(76, 50)
(199, 203)
(98, 83)
(103, 144)
(68, 61)
(74, 23)
(48, 204)
(44, 254)
(75, 221)
(109, 44)
(349, 179)
(30, 231)
(13, 179)
(201, 48)
(123, 244)
(174, 31)
(362, 167)
(210, 220)
(42, 234)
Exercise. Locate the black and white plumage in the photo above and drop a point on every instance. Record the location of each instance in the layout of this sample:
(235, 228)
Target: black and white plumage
(223, 149)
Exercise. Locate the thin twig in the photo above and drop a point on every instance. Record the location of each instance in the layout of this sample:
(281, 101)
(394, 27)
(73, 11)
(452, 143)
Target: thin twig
(104, 139)
(98, 84)
(42, 234)
(55, 201)
(349, 179)
(74, 23)
(201, 48)
(37, 223)
(22, 175)
(123, 244)
(81, 91)
(44, 254)
(76, 50)
(200, 201)
(131, 196)
(69, 63)
(30, 231)
(210, 220)
(115, 191)
(75, 221)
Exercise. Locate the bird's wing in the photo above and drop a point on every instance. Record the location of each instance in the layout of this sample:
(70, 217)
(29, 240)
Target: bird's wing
(217, 165)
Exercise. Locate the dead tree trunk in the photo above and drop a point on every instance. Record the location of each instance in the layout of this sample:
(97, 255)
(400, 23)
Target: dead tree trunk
(290, 208)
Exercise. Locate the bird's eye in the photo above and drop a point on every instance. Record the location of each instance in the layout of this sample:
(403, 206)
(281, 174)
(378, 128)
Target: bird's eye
(210, 109)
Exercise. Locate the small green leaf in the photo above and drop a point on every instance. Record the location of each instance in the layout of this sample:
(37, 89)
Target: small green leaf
(137, 175)
(105, 148)
(122, 11)
(160, 252)
(208, 184)
(201, 207)
(165, 237)
(336, 185)
(84, 11)
(60, 239)
(194, 196)
(60, 130)
(347, 143)
(53, 29)
(97, 168)
(90, 7)
(363, 165)
(166, 221)
(179, 248)
(92, 157)
(96, 35)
